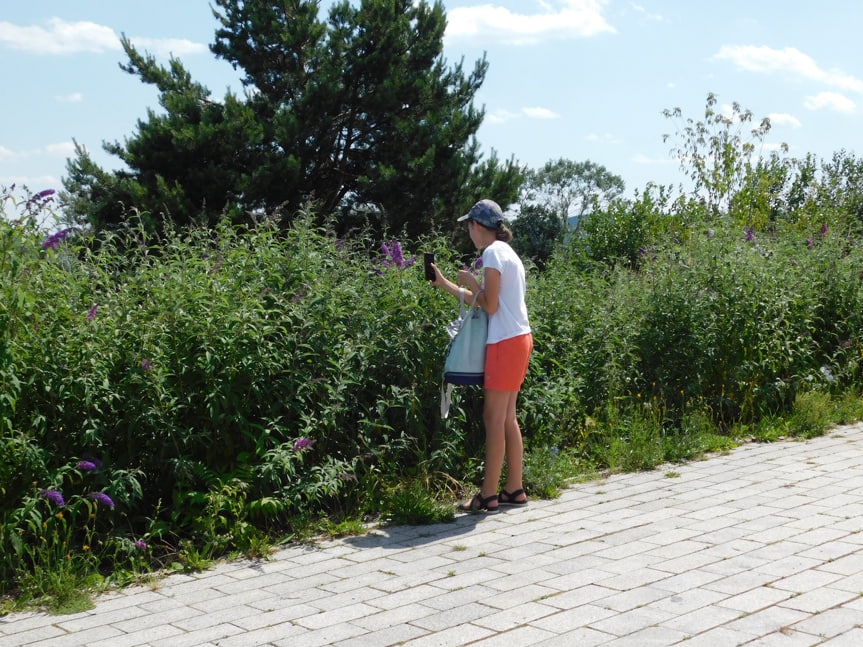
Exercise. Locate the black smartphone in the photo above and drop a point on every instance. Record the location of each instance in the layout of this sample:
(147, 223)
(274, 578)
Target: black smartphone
(429, 259)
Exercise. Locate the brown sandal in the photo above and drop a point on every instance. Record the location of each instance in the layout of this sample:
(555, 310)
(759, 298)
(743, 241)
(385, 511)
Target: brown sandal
(477, 504)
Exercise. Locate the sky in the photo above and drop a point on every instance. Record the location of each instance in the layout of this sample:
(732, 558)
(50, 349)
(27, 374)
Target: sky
(583, 80)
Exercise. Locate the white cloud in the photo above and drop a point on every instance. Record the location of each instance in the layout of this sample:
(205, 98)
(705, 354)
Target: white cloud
(783, 119)
(75, 97)
(62, 37)
(830, 101)
(641, 158)
(35, 183)
(6, 155)
(650, 16)
(539, 113)
(562, 19)
(63, 149)
(789, 61)
(607, 138)
(165, 47)
(502, 116)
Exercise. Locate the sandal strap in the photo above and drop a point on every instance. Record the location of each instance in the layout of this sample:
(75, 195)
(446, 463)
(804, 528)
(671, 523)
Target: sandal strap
(483, 503)
(511, 496)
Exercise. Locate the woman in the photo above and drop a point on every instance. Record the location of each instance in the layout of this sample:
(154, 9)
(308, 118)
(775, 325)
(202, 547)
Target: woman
(510, 343)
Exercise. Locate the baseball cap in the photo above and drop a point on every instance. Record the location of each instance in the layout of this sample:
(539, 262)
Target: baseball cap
(486, 212)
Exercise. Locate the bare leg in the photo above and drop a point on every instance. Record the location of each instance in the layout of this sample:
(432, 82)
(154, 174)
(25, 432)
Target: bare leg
(502, 437)
(514, 449)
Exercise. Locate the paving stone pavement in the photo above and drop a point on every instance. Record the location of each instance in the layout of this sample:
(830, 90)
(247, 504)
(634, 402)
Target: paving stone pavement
(757, 547)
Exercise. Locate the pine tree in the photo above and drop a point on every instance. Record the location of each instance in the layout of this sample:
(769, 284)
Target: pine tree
(359, 115)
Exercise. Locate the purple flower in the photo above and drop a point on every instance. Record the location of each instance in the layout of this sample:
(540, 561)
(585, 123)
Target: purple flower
(823, 230)
(810, 243)
(90, 458)
(146, 364)
(102, 498)
(92, 314)
(478, 264)
(394, 255)
(750, 235)
(53, 496)
(43, 194)
(303, 444)
(86, 466)
(140, 544)
(398, 255)
(793, 263)
(54, 239)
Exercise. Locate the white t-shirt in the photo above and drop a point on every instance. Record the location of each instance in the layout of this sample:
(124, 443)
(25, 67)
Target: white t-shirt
(510, 320)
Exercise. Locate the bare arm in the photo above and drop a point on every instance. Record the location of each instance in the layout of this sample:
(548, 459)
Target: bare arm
(488, 298)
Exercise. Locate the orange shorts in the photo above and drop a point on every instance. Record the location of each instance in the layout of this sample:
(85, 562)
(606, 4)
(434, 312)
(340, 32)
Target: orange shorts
(506, 363)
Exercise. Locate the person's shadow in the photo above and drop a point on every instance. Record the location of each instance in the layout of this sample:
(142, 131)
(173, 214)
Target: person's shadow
(395, 537)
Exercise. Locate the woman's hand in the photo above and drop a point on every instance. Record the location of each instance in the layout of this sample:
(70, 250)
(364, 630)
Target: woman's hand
(439, 279)
(468, 280)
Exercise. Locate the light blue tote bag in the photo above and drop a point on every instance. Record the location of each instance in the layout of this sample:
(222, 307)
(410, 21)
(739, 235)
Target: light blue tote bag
(465, 360)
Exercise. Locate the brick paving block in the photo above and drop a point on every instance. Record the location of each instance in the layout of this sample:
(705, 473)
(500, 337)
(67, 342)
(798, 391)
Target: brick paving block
(629, 622)
(203, 620)
(143, 637)
(98, 617)
(455, 597)
(852, 583)
(788, 566)
(755, 599)
(453, 617)
(157, 619)
(261, 636)
(649, 637)
(740, 582)
(82, 638)
(336, 616)
(577, 597)
(514, 598)
(207, 636)
(853, 638)
(717, 637)
(681, 603)
(832, 622)
(404, 614)
(786, 637)
(32, 636)
(807, 580)
(635, 578)
(686, 580)
(702, 619)
(450, 637)
(819, 600)
(830, 551)
(406, 595)
(325, 637)
(397, 634)
(504, 621)
(574, 618)
(520, 637)
(583, 637)
(274, 617)
(633, 598)
(766, 620)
